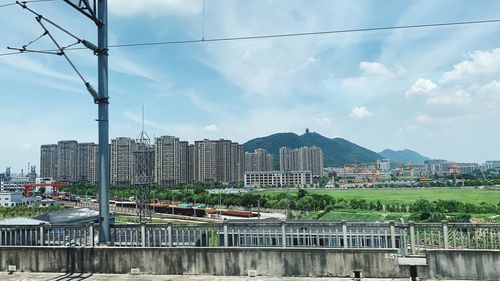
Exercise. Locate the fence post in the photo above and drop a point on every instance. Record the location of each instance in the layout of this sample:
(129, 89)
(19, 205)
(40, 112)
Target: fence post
(42, 235)
(283, 233)
(169, 234)
(91, 233)
(445, 234)
(344, 233)
(392, 228)
(143, 235)
(412, 238)
(226, 234)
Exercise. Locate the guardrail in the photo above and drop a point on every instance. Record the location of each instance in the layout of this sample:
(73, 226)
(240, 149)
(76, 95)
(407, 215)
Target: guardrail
(446, 235)
(409, 239)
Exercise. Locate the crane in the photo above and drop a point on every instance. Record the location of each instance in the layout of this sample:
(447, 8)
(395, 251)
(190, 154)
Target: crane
(29, 186)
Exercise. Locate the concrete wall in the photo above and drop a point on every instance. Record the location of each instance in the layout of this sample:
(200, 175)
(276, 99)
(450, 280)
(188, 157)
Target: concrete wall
(464, 264)
(441, 264)
(210, 261)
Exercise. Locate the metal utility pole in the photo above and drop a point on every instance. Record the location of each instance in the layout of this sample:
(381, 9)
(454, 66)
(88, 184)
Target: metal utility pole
(99, 15)
(103, 120)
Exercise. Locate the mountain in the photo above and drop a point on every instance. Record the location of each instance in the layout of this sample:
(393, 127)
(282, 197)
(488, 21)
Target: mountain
(337, 152)
(404, 156)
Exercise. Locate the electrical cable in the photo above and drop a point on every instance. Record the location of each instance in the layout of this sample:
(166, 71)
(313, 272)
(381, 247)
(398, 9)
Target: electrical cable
(306, 33)
(28, 1)
(284, 35)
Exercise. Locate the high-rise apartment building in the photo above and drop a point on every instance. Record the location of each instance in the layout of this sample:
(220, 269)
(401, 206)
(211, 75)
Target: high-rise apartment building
(190, 168)
(121, 161)
(302, 159)
(87, 163)
(94, 164)
(184, 161)
(237, 162)
(167, 161)
(258, 161)
(223, 168)
(67, 157)
(204, 161)
(48, 161)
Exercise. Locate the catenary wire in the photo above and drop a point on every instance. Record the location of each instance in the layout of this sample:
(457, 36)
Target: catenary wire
(29, 1)
(284, 35)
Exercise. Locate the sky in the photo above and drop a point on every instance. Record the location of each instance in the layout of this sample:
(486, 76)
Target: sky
(433, 90)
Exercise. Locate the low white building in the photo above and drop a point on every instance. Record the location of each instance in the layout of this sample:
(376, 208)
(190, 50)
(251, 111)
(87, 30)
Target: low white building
(15, 198)
(279, 179)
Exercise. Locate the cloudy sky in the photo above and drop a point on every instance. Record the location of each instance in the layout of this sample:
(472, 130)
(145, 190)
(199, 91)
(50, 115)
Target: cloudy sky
(433, 90)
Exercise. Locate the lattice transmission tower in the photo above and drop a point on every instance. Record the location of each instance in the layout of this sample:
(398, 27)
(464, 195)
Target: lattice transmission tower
(143, 153)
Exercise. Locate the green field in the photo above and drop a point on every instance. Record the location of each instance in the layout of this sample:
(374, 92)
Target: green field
(400, 195)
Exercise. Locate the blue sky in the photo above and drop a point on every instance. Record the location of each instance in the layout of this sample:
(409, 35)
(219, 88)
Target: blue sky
(433, 90)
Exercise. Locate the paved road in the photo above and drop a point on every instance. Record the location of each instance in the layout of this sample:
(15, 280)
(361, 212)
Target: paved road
(106, 277)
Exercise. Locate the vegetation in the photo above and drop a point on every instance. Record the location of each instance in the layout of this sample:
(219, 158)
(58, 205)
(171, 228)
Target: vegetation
(27, 211)
(407, 195)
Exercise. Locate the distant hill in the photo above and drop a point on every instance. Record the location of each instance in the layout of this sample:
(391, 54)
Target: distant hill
(404, 156)
(337, 152)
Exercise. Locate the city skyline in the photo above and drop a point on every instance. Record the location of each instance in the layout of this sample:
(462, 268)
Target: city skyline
(431, 90)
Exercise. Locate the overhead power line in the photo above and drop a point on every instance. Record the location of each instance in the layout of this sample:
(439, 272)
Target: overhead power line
(25, 2)
(284, 35)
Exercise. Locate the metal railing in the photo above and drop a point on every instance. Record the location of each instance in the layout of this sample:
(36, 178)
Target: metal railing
(408, 238)
(446, 235)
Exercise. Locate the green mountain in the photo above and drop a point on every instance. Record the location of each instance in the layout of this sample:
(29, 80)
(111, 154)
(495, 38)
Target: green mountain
(337, 152)
(404, 156)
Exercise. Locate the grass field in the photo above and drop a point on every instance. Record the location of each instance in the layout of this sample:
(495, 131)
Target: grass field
(470, 195)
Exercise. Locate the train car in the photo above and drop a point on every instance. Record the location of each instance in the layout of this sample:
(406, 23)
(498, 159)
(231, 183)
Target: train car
(177, 210)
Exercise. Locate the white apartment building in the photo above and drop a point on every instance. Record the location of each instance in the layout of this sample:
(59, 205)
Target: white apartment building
(384, 165)
(167, 161)
(302, 159)
(121, 161)
(279, 179)
(259, 160)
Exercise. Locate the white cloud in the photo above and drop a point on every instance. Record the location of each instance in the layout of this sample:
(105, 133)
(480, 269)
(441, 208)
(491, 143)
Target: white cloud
(360, 112)
(491, 89)
(478, 63)
(26, 64)
(459, 97)
(374, 69)
(124, 65)
(421, 86)
(323, 121)
(423, 119)
(311, 61)
(155, 8)
(211, 128)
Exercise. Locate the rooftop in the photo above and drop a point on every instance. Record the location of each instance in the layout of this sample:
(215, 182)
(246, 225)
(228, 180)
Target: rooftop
(21, 221)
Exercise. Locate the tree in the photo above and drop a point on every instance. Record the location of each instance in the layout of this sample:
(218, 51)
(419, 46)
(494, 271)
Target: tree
(301, 193)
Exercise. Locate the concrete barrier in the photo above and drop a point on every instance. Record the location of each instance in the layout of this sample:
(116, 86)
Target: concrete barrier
(463, 264)
(374, 263)
(207, 261)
